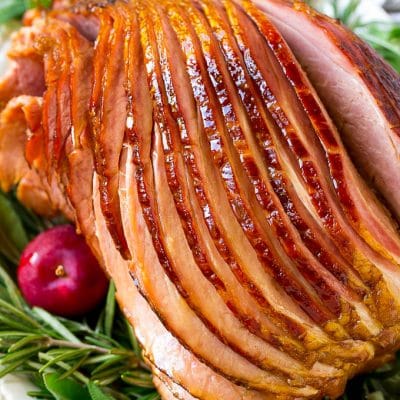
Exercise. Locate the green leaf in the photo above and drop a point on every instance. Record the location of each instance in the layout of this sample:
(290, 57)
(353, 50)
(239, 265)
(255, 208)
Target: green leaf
(11, 323)
(32, 223)
(66, 367)
(64, 356)
(55, 324)
(151, 396)
(12, 224)
(138, 378)
(392, 384)
(13, 237)
(75, 367)
(111, 361)
(65, 389)
(37, 3)
(12, 334)
(347, 16)
(20, 354)
(375, 396)
(12, 367)
(12, 290)
(10, 9)
(110, 310)
(40, 395)
(97, 393)
(132, 338)
(117, 370)
(24, 342)
(18, 314)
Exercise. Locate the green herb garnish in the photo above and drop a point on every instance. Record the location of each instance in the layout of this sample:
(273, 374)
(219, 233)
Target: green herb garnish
(383, 36)
(11, 9)
(97, 358)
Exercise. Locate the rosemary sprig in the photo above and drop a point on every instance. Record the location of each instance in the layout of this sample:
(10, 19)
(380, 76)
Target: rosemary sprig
(70, 356)
(97, 358)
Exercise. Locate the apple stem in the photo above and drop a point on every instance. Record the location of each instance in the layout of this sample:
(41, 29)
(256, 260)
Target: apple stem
(60, 271)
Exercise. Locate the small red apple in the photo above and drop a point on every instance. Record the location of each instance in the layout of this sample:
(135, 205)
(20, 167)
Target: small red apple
(59, 273)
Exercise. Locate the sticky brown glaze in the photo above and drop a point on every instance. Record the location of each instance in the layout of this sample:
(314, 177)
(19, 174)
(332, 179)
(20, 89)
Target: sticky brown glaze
(168, 143)
(371, 222)
(175, 186)
(20, 114)
(261, 126)
(359, 102)
(241, 135)
(233, 118)
(301, 155)
(186, 140)
(108, 115)
(221, 155)
(50, 106)
(138, 89)
(356, 204)
(178, 73)
(361, 209)
(63, 97)
(61, 142)
(25, 75)
(184, 323)
(80, 153)
(207, 209)
(381, 80)
(57, 60)
(190, 285)
(184, 199)
(376, 73)
(144, 179)
(21, 165)
(162, 348)
(371, 267)
(54, 54)
(191, 157)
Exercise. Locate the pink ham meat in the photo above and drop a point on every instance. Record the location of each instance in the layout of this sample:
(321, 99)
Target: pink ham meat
(360, 90)
(192, 144)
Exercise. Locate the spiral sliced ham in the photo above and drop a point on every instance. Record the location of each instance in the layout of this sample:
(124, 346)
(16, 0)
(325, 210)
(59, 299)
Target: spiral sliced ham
(187, 143)
(358, 88)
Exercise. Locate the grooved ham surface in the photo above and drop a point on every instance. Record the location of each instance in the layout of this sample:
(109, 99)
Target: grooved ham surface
(192, 143)
(358, 88)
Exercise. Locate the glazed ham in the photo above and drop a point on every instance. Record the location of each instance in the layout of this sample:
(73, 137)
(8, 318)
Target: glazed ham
(362, 95)
(247, 211)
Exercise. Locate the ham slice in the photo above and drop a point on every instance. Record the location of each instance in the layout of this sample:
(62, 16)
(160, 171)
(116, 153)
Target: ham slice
(19, 129)
(25, 75)
(358, 88)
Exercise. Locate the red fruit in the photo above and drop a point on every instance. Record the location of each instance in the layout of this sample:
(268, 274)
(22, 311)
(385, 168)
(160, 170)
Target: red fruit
(59, 273)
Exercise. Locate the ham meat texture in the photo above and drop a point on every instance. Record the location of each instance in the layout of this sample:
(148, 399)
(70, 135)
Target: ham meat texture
(235, 167)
